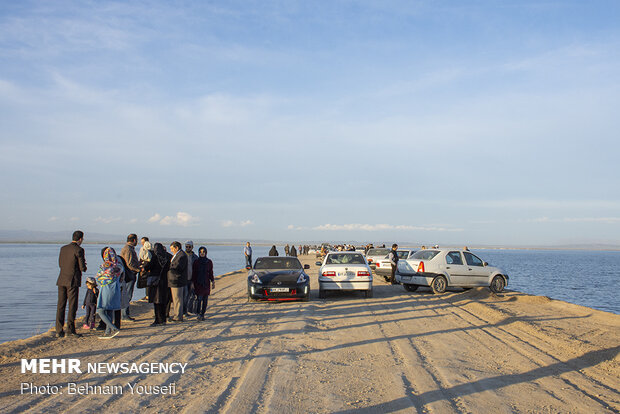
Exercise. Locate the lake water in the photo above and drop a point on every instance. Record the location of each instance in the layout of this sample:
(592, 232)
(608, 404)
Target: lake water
(28, 273)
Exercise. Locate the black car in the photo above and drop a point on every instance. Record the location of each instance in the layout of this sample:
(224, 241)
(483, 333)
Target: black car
(278, 278)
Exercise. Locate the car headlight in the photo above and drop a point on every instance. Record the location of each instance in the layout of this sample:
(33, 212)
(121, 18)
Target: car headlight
(256, 279)
(301, 279)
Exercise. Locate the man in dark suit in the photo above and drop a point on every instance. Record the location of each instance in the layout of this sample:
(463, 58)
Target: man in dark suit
(177, 278)
(72, 263)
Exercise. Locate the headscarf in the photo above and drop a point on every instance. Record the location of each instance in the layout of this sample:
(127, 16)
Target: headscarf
(161, 255)
(145, 252)
(111, 268)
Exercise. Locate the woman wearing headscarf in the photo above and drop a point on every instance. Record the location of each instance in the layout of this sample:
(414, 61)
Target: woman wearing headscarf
(157, 283)
(201, 276)
(108, 279)
(273, 251)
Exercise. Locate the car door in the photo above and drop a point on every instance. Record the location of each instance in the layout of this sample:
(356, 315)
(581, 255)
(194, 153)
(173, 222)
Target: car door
(478, 272)
(456, 268)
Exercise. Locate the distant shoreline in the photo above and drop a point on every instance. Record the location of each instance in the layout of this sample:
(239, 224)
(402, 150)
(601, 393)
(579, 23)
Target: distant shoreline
(223, 243)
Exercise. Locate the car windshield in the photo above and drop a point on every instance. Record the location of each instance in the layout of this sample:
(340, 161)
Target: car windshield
(425, 254)
(277, 263)
(377, 252)
(345, 259)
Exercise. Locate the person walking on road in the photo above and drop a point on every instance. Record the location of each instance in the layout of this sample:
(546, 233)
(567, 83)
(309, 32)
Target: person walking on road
(128, 253)
(203, 281)
(109, 300)
(273, 251)
(247, 251)
(187, 290)
(177, 278)
(72, 263)
(393, 256)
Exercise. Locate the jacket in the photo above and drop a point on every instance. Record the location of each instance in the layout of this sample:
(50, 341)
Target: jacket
(72, 263)
(177, 276)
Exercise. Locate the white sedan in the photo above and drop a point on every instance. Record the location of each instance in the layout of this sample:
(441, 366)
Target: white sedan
(344, 271)
(383, 267)
(441, 268)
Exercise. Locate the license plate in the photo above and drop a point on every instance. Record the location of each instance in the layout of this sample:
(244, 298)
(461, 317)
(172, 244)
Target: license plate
(349, 274)
(279, 290)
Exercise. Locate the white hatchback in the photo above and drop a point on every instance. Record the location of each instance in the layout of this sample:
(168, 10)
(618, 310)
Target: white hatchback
(441, 268)
(344, 271)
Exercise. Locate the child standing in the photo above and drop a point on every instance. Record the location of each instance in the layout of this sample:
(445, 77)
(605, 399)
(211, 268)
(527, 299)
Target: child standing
(90, 303)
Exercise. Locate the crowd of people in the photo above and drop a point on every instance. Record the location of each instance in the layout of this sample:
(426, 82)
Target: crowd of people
(290, 250)
(177, 283)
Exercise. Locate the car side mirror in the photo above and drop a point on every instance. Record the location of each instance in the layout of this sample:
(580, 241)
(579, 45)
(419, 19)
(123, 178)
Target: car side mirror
(306, 266)
(485, 264)
(318, 263)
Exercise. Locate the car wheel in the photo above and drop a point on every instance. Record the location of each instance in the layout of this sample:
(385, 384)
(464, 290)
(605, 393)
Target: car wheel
(306, 298)
(410, 288)
(439, 284)
(368, 293)
(321, 294)
(497, 284)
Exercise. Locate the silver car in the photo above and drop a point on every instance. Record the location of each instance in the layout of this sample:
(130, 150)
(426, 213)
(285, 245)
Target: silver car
(376, 253)
(383, 267)
(442, 268)
(344, 271)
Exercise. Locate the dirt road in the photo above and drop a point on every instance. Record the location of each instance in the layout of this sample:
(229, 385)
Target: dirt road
(397, 352)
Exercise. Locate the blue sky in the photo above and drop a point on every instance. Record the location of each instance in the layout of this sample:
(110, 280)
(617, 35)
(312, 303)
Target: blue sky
(480, 122)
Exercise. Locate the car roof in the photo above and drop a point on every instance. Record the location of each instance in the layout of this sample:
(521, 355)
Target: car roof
(345, 252)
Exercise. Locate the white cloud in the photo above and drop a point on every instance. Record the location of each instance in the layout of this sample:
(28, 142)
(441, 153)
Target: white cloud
(133, 221)
(53, 218)
(107, 220)
(230, 223)
(379, 227)
(227, 223)
(155, 218)
(180, 219)
(74, 219)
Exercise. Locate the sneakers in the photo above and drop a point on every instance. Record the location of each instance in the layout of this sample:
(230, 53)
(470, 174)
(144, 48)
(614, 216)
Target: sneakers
(86, 326)
(110, 335)
(92, 325)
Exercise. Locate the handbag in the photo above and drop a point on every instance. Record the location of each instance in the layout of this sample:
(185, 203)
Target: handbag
(193, 304)
(142, 280)
(152, 281)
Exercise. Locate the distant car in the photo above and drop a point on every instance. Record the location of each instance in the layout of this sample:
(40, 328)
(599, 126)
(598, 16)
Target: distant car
(344, 271)
(374, 254)
(278, 278)
(443, 268)
(383, 267)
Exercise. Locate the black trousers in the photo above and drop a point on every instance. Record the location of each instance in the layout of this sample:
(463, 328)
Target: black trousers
(66, 294)
(202, 304)
(393, 277)
(160, 312)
